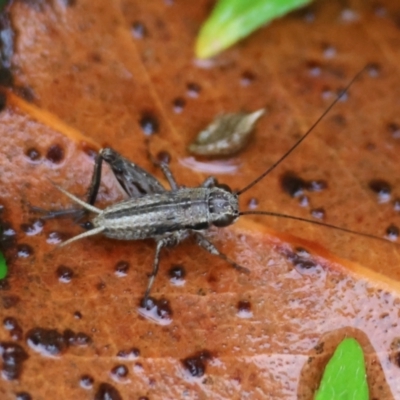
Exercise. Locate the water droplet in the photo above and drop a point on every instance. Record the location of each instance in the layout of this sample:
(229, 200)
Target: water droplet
(380, 10)
(343, 94)
(10, 323)
(23, 396)
(292, 184)
(164, 157)
(13, 356)
(64, 274)
(121, 269)
(86, 382)
(47, 342)
(33, 228)
(302, 261)
(17, 333)
(247, 78)
(318, 213)
(130, 354)
(7, 230)
(138, 30)
(326, 93)
(143, 398)
(392, 232)
(382, 189)
(348, 15)
(149, 123)
(54, 238)
(164, 310)
(24, 250)
(100, 286)
(55, 154)
(309, 16)
(196, 364)
(394, 130)
(119, 372)
(252, 204)
(107, 392)
(193, 89)
(179, 105)
(374, 70)
(396, 205)
(244, 309)
(33, 154)
(314, 68)
(158, 311)
(177, 275)
(316, 185)
(329, 51)
(76, 339)
(77, 315)
(304, 201)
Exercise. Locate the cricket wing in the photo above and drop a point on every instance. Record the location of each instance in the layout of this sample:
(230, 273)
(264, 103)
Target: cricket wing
(135, 180)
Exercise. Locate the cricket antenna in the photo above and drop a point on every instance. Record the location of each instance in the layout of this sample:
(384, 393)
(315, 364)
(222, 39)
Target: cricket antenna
(273, 166)
(310, 221)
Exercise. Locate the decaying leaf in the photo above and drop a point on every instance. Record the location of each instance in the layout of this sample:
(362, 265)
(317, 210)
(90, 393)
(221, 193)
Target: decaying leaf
(88, 74)
(226, 135)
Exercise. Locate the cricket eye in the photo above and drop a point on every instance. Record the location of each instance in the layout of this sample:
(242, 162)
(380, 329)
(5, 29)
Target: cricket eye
(224, 187)
(225, 220)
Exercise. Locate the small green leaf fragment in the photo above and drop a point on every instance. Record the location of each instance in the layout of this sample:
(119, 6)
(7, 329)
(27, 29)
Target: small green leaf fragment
(226, 135)
(232, 20)
(345, 376)
(3, 266)
(3, 4)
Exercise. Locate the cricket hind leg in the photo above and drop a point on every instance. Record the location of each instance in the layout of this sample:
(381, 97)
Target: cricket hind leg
(78, 213)
(207, 245)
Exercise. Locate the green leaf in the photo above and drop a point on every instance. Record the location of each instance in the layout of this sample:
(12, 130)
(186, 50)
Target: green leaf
(3, 3)
(232, 20)
(3, 266)
(345, 377)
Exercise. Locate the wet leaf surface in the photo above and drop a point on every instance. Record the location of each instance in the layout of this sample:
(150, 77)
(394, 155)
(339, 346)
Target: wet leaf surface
(93, 74)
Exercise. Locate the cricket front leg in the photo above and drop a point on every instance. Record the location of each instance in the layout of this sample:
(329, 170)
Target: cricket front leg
(207, 245)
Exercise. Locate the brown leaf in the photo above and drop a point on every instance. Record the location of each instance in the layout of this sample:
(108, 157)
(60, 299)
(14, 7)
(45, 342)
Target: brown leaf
(93, 74)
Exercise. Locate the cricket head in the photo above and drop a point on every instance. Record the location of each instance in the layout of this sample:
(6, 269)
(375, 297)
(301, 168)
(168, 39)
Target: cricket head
(223, 206)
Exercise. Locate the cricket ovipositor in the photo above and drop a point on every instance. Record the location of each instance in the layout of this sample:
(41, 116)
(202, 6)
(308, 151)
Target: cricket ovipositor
(170, 216)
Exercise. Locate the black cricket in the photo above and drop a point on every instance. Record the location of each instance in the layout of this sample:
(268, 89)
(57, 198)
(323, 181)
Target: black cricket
(170, 216)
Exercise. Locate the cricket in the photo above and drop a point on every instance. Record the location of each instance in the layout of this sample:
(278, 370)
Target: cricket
(171, 216)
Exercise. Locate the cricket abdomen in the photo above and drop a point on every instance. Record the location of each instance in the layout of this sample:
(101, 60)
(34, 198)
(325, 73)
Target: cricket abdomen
(156, 214)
